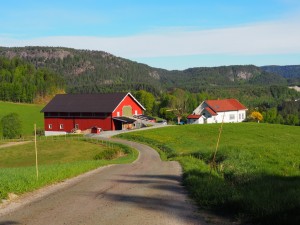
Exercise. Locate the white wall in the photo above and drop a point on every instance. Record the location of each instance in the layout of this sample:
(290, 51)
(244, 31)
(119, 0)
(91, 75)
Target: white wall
(196, 121)
(200, 108)
(229, 117)
(53, 133)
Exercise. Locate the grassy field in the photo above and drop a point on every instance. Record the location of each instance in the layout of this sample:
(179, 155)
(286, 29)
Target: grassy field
(58, 160)
(257, 175)
(29, 114)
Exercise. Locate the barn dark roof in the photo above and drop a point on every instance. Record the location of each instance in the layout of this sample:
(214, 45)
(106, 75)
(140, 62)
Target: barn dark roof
(100, 103)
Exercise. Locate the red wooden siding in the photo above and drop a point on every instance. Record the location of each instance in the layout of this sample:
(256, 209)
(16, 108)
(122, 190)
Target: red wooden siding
(128, 101)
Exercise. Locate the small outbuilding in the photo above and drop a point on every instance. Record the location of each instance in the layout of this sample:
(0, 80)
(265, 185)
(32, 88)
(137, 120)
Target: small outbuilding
(96, 130)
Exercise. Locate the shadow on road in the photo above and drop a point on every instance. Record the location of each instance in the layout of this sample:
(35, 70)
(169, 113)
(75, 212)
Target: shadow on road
(163, 177)
(169, 199)
(8, 222)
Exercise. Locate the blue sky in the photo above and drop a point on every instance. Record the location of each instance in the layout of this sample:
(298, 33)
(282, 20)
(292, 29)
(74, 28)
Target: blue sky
(167, 34)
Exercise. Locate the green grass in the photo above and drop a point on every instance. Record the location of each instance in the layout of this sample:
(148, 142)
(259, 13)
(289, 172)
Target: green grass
(257, 176)
(58, 160)
(29, 114)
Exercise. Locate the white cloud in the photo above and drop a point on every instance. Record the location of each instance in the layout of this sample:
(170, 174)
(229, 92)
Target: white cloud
(277, 37)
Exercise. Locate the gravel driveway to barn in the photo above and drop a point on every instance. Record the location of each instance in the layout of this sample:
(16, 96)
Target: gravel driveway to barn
(147, 191)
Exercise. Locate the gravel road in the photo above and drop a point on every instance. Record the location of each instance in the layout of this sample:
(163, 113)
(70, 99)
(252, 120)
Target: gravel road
(147, 191)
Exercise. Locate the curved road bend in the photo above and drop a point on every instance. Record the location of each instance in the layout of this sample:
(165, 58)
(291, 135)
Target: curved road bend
(147, 191)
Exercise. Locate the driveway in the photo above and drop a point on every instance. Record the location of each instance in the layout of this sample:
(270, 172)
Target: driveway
(147, 191)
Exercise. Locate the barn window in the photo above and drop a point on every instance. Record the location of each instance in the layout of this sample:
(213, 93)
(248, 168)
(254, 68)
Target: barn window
(61, 126)
(135, 112)
(50, 126)
(76, 126)
(118, 113)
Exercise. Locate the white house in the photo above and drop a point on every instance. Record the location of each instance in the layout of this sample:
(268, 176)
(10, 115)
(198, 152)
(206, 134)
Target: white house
(216, 111)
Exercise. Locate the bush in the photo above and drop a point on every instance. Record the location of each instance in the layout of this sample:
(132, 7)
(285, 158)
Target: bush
(11, 126)
(39, 132)
(108, 154)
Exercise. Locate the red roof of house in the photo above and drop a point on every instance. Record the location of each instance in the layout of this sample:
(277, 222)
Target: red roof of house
(191, 116)
(210, 111)
(225, 105)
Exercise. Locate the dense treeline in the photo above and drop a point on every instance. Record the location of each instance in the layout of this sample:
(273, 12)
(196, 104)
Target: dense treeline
(291, 73)
(287, 112)
(22, 82)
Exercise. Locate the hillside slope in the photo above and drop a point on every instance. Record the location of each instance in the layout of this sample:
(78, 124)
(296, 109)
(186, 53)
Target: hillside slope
(292, 73)
(29, 113)
(97, 71)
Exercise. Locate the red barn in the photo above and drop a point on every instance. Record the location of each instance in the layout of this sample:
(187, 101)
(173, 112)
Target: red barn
(68, 112)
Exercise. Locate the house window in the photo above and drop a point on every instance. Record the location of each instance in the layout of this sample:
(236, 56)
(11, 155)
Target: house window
(231, 116)
(243, 116)
(240, 116)
(50, 126)
(61, 126)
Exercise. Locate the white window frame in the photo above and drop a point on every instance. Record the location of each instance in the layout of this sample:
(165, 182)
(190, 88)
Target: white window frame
(61, 126)
(50, 126)
(135, 112)
(118, 113)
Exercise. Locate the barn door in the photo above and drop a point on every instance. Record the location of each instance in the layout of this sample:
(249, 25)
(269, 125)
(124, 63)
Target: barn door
(127, 111)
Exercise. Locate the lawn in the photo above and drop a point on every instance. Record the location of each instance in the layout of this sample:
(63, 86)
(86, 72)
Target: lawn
(29, 114)
(257, 174)
(58, 160)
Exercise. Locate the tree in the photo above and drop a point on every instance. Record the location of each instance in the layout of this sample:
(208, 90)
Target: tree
(11, 126)
(292, 119)
(256, 116)
(167, 114)
(146, 99)
(271, 115)
(178, 103)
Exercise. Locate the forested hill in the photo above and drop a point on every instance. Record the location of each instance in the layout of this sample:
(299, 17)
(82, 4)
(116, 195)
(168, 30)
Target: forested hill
(90, 71)
(97, 71)
(292, 73)
(20, 81)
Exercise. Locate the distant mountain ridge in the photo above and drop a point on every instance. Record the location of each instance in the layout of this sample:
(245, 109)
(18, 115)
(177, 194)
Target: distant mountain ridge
(98, 71)
(291, 73)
